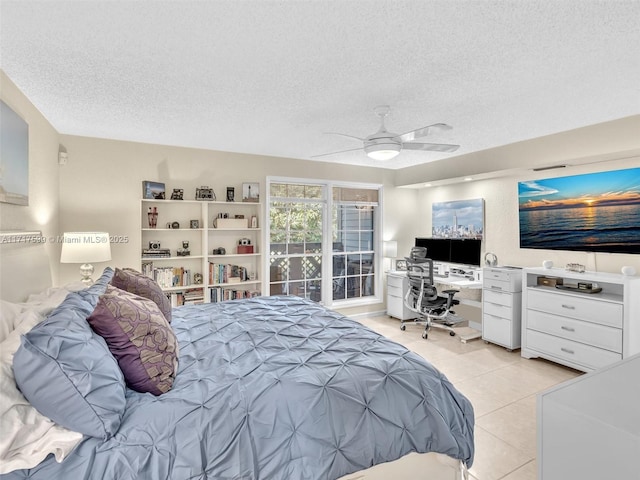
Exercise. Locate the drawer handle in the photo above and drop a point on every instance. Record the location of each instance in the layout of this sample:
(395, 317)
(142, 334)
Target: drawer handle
(568, 329)
(566, 350)
(493, 287)
(569, 307)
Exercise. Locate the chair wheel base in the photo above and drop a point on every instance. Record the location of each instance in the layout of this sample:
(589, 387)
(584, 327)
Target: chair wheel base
(403, 327)
(453, 334)
(425, 335)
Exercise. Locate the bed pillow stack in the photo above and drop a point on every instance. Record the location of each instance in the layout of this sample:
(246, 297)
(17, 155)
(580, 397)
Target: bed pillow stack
(139, 337)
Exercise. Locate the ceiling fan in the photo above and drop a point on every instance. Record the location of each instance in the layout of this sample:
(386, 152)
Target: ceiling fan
(385, 145)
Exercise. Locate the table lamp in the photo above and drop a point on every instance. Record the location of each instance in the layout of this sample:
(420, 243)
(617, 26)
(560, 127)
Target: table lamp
(85, 248)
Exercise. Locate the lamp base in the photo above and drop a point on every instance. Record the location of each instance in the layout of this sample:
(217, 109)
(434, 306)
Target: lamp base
(86, 270)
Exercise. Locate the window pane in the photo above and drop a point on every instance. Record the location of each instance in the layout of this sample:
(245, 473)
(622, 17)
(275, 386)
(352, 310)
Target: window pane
(295, 268)
(352, 241)
(366, 240)
(295, 191)
(278, 190)
(314, 191)
(312, 267)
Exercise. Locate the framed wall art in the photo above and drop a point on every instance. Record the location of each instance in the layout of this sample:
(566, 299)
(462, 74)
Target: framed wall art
(14, 157)
(251, 192)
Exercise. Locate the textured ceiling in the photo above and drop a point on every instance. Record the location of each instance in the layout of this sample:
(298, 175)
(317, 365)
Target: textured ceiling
(269, 77)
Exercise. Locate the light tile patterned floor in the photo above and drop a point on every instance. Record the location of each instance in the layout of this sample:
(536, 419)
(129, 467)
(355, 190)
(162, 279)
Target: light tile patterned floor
(502, 387)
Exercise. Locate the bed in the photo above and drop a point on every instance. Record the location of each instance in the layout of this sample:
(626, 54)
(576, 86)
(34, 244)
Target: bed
(264, 388)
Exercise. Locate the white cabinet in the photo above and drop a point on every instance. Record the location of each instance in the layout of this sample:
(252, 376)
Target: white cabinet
(585, 331)
(397, 285)
(202, 275)
(589, 427)
(501, 306)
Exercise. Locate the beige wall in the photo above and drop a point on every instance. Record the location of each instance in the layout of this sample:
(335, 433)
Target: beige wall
(42, 213)
(101, 185)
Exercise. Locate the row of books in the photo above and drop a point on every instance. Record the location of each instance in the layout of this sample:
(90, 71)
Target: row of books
(167, 277)
(227, 273)
(219, 294)
(191, 296)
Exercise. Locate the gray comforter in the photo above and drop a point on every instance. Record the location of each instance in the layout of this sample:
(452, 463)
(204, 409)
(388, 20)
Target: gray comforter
(277, 388)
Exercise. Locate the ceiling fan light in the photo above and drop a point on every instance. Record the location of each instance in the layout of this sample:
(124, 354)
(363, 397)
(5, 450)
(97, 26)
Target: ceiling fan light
(383, 152)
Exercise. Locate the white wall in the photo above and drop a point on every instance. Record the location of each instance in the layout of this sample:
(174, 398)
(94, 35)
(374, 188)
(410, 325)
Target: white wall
(42, 213)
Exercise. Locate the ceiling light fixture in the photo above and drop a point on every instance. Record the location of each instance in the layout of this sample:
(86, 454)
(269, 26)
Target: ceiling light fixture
(383, 151)
(468, 179)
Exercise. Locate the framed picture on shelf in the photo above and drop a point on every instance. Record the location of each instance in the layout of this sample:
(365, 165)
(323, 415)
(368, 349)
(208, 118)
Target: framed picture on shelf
(401, 265)
(231, 194)
(251, 192)
(152, 190)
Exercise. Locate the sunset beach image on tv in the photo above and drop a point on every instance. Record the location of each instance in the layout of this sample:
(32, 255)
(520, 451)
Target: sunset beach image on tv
(596, 212)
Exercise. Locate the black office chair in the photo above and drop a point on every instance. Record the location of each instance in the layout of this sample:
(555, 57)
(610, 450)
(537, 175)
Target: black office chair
(422, 296)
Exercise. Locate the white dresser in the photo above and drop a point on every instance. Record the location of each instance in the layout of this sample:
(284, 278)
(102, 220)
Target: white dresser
(581, 330)
(397, 285)
(589, 427)
(501, 306)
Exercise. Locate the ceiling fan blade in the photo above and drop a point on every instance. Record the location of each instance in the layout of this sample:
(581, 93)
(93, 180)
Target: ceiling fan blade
(344, 135)
(421, 132)
(434, 147)
(334, 153)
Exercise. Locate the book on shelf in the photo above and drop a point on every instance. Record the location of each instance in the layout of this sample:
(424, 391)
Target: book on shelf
(220, 294)
(167, 277)
(222, 273)
(190, 296)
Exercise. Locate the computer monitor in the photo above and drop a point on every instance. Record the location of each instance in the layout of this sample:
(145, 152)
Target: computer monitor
(466, 251)
(438, 249)
(463, 251)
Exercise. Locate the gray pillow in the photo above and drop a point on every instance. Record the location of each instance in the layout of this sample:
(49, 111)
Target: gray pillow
(67, 372)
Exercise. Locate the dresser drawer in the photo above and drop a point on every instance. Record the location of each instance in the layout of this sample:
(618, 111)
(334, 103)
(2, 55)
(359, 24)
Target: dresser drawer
(574, 352)
(601, 336)
(497, 330)
(583, 308)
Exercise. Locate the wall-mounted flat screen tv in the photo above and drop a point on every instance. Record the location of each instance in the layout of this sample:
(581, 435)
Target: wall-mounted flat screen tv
(463, 251)
(595, 212)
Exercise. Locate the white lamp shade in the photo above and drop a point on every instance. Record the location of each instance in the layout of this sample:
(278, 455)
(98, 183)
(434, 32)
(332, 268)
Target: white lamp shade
(85, 247)
(390, 249)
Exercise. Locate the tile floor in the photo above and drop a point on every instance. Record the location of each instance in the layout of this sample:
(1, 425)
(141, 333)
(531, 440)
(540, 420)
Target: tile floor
(502, 387)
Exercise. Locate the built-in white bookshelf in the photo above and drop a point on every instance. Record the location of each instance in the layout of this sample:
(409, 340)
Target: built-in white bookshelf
(202, 251)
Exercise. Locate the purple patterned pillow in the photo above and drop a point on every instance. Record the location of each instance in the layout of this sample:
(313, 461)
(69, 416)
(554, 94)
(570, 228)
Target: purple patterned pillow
(135, 282)
(140, 339)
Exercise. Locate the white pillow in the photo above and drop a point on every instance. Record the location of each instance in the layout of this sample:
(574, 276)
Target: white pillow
(8, 314)
(27, 436)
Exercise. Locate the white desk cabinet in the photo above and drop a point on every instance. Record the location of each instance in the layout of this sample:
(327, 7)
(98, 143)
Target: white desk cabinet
(397, 285)
(589, 427)
(581, 330)
(501, 306)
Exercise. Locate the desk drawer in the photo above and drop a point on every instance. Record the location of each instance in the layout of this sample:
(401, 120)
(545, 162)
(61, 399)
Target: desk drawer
(583, 308)
(497, 310)
(576, 330)
(507, 280)
(395, 280)
(395, 291)
(574, 352)
(499, 298)
(497, 330)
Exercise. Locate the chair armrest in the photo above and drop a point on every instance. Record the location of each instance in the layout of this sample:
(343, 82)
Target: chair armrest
(450, 293)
